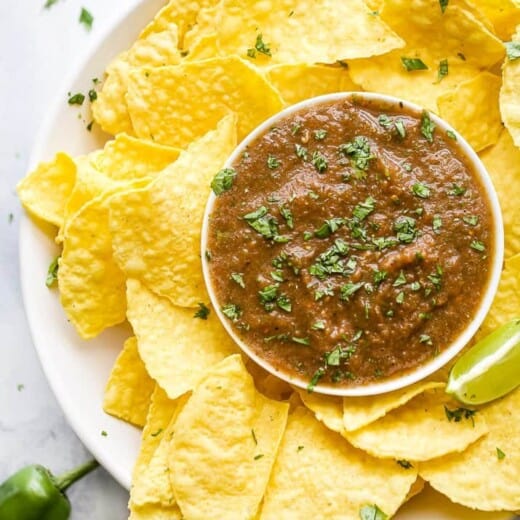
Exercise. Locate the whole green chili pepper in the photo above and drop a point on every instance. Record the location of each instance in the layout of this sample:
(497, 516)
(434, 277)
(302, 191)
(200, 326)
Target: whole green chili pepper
(34, 493)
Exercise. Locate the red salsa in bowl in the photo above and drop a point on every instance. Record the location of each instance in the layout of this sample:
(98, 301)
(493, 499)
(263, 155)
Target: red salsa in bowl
(350, 242)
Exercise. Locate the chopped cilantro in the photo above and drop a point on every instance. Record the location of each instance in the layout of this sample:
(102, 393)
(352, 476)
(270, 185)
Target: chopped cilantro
(260, 46)
(322, 292)
(359, 151)
(400, 280)
(307, 235)
(379, 276)
(437, 223)
(385, 121)
(415, 286)
(86, 18)
(372, 512)
(50, 3)
(232, 311)
(436, 277)
(444, 4)
(202, 312)
(477, 245)
(281, 337)
(319, 161)
(301, 341)
(318, 325)
(315, 379)
(405, 229)
(457, 190)
(459, 413)
(284, 303)
(320, 134)
(259, 456)
(300, 448)
(400, 298)
(451, 134)
(156, 433)
(288, 216)
(104, 433)
(382, 243)
(443, 70)
(471, 220)
(301, 151)
(253, 434)
(239, 279)
(427, 126)
(20, 387)
(52, 272)
(277, 275)
(421, 190)
(296, 128)
(406, 464)
(329, 226)
(364, 209)
(223, 181)
(92, 95)
(500, 454)
(76, 99)
(400, 127)
(273, 162)
(413, 64)
(263, 223)
(313, 195)
(513, 50)
(268, 295)
(331, 261)
(338, 354)
(349, 289)
(424, 338)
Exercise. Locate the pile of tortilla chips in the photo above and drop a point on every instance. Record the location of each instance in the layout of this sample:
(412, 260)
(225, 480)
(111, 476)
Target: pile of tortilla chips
(221, 437)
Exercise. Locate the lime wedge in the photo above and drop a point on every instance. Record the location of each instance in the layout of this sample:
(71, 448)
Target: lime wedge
(490, 369)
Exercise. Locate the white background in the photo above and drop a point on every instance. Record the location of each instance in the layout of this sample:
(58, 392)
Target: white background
(38, 49)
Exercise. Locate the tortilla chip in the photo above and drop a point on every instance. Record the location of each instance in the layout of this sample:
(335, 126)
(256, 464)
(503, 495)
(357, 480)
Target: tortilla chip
(472, 109)
(466, 56)
(419, 430)
(334, 31)
(92, 286)
(206, 25)
(298, 82)
(44, 192)
(203, 48)
(503, 14)
(176, 105)
(317, 474)
(225, 443)
(156, 230)
(176, 347)
(154, 512)
(360, 411)
(327, 409)
(152, 485)
(502, 161)
(482, 477)
(510, 95)
(156, 46)
(506, 305)
(129, 387)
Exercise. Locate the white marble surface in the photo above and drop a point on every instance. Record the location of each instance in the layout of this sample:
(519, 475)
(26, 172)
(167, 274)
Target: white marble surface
(38, 48)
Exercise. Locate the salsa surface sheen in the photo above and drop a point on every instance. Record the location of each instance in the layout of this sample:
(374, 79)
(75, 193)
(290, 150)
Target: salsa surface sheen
(350, 243)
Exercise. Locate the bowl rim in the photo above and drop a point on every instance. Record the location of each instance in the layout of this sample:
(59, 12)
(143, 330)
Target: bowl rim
(422, 371)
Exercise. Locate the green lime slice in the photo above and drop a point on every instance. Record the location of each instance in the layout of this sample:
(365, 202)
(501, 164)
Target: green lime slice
(490, 369)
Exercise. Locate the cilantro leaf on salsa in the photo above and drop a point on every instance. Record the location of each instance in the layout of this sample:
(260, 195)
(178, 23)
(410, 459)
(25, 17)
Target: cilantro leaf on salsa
(427, 126)
(421, 190)
(315, 379)
(364, 209)
(223, 181)
(359, 151)
(413, 64)
(231, 311)
(319, 161)
(239, 279)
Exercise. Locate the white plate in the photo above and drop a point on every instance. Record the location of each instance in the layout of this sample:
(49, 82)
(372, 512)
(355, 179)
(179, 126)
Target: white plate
(77, 370)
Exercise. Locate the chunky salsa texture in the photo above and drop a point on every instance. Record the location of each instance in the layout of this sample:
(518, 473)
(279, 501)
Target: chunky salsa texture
(350, 243)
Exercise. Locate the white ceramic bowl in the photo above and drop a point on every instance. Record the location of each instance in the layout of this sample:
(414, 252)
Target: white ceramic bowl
(458, 344)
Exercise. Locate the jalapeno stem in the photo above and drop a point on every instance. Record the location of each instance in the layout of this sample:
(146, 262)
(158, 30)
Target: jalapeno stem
(67, 479)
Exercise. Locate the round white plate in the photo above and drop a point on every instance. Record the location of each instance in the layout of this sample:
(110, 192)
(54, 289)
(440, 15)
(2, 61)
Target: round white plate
(78, 370)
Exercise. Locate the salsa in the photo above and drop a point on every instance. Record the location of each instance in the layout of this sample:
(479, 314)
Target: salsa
(350, 243)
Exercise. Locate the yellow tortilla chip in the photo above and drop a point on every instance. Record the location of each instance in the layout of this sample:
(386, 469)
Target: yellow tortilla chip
(92, 286)
(486, 475)
(419, 430)
(360, 411)
(506, 305)
(205, 26)
(327, 409)
(502, 161)
(472, 109)
(156, 230)
(154, 512)
(318, 474)
(152, 484)
(176, 105)
(510, 95)
(44, 192)
(129, 387)
(504, 15)
(225, 443)
(176, 347)
(156, 46)
(298, 82)
(466, 56)
(303, 31)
